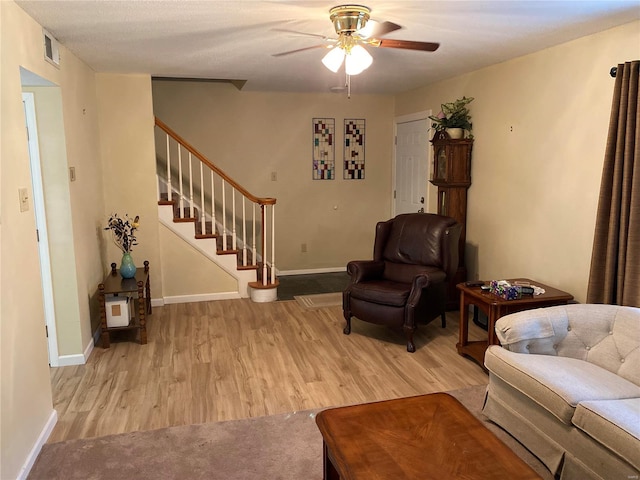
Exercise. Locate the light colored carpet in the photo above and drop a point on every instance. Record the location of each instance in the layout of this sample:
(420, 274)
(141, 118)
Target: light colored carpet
(319, 300)
(282, 447)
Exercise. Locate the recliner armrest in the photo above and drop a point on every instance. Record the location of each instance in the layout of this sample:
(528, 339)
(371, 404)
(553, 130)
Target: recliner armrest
(363, 270)
(422, 281)
(419, 282)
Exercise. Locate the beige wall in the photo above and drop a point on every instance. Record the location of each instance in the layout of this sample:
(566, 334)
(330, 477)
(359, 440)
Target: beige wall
(250, 135)
(534, 192)
(204, 276)
(25, 392)
(80, 104)
(128, 166)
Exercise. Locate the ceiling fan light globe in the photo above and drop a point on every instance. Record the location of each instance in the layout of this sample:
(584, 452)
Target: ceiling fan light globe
(333, 59)
(358, 60)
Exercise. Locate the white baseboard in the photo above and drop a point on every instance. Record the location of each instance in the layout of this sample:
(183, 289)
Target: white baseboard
(78, 358)
(35, 451)
(157, 302)
(75, 359)
(204, 297)
(284, 273)
(88, 349)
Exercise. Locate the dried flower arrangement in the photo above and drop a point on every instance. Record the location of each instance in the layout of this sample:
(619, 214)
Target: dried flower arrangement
(123, 231)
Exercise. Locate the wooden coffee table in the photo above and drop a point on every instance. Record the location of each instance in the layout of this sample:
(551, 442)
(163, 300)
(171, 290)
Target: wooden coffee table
(425, 437)
(495, 307)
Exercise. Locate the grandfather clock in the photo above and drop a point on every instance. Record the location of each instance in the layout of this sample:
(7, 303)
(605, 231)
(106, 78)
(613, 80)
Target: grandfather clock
(452, 175)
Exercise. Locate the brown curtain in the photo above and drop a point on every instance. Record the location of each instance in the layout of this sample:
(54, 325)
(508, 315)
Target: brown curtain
(615, 261)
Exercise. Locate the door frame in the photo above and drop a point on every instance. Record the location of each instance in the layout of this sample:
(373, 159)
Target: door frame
(411, 117)
(28, 98)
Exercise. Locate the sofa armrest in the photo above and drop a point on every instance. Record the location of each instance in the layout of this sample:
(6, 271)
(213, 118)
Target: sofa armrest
(529, 331)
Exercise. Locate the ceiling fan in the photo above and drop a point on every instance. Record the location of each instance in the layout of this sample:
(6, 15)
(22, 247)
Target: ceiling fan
(355, 30)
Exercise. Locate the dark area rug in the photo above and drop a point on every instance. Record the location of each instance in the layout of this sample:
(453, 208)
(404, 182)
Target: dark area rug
(311, 284)
(283, 447)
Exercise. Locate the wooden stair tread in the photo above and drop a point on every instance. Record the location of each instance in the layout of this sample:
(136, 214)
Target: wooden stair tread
(227, 252)
(259, 285)
(247, 267)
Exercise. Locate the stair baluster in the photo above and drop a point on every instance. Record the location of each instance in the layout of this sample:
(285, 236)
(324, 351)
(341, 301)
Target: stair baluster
(253, 243)
(169, 190)
(224, 218)
(181, 213)
(244, 233)
(264, 245)
(202, 213)
(273, 243)
(234, 241)
(213, 205)
(192, 212)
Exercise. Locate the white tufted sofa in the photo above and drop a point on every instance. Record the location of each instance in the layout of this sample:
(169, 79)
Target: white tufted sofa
(566, 384)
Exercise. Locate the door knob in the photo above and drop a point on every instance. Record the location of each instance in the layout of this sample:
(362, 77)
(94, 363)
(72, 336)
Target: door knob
(422, 200)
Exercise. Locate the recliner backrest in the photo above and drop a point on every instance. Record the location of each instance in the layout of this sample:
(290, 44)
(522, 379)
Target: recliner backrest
(421, 239)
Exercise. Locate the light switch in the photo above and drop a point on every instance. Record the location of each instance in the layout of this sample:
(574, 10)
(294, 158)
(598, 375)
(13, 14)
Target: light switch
(72, 174)
(23, 196)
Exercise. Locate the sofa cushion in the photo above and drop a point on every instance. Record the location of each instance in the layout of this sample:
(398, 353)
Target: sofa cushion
(614, 424)
(557, 384)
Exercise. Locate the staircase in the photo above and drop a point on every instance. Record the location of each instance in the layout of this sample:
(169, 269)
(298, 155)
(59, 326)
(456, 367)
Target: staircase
(217, 216)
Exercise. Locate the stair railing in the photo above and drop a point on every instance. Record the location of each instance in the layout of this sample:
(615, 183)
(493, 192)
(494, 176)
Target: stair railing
(209, 207)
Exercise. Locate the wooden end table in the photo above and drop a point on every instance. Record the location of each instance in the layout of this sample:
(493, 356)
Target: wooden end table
(138, 287)
(495, 307)
(425, 437)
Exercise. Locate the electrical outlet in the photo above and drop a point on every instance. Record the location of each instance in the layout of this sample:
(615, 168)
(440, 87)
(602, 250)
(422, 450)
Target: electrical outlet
(303, 248)
(274, 176)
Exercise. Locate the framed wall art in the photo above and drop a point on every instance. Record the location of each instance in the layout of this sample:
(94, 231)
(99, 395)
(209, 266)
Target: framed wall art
(324, 161)
(354, 140)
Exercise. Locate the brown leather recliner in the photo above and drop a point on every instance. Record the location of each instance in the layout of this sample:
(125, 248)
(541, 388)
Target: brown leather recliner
(414, 256)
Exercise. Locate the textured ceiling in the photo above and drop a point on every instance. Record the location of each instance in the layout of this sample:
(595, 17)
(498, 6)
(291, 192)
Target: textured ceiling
(235, 40)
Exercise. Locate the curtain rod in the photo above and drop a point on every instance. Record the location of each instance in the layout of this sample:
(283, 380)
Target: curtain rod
(613, 72)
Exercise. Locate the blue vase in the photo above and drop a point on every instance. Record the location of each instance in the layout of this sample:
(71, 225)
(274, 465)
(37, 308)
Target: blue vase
(127, 267)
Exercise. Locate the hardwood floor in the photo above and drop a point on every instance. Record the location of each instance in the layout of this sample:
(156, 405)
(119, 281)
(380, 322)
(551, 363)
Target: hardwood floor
(232, 359)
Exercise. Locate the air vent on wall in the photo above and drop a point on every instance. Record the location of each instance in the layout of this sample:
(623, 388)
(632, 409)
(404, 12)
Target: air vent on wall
(51, 50)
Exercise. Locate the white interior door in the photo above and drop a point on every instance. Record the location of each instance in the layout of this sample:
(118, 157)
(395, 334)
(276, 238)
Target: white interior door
(41, 225)
(412, 164)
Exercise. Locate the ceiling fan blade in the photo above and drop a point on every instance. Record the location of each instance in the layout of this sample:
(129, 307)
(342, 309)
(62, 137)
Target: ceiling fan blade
(295, 32)
(406, 44)
(380, 28)
(282, 54)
